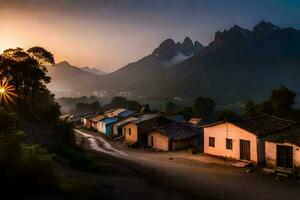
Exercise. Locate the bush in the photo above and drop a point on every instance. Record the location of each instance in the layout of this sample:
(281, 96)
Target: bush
(65, 134)
(24, 167)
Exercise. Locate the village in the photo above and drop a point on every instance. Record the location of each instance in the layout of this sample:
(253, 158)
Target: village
(267, 143)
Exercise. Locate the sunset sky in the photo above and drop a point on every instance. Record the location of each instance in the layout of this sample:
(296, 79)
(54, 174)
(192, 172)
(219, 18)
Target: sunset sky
(109, 34)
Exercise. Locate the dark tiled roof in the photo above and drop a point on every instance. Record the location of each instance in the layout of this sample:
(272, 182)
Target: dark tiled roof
(264, 124)
(179, 131)
(289, 135)
(260, 126)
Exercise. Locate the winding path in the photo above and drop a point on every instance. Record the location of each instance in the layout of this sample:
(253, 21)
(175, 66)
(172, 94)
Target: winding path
(105, 147)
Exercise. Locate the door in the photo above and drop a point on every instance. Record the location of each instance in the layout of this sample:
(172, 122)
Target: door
(120, 131)
(152, 143)
(284, 156)
(245, 150)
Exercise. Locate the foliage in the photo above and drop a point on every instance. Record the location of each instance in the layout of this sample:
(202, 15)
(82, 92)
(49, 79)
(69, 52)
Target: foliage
(227, 115)
(82, 108)
(24, 167)
(187, 112)
(122, 102)
(65, 134)
(26, 72)
(204, 108)
(170, 108)
(280, 104)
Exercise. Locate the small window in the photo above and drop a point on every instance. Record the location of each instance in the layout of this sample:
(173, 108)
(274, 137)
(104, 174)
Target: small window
(129, 131)
(228, 143)
(211, 142)
(124, 130)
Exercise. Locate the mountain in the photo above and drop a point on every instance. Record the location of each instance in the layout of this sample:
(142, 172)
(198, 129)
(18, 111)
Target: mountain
(128, 79)
(92, 70)
(238, 65)
(65, 79)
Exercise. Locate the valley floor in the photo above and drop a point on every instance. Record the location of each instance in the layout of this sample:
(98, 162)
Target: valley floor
(179, 175)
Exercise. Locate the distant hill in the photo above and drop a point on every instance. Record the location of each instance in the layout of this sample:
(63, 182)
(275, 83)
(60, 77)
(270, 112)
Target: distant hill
(65, 79)
(238, 65)
(92, 70)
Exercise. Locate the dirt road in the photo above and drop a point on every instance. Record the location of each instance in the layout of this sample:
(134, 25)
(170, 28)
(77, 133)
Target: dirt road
(205, 180)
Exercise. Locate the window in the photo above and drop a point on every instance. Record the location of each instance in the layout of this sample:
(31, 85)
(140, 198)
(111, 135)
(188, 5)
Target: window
(124, 130)
(211, 142)
(228, 143)
(129, 131)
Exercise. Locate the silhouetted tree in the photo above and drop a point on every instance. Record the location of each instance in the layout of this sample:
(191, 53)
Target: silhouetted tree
(204, 108)
(187, 112)
(170, 108)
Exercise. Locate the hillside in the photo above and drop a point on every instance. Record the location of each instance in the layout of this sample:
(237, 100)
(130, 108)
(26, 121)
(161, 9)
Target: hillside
(238, 65)
(65, 78)
(92, 70)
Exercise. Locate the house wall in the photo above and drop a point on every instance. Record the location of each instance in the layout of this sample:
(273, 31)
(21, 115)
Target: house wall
(160, 141)
(115, 130)
(101, 127)
(227, 130)
(183, 144)
(108, 129)
(88, 124)
(133, 137)
(270, 155)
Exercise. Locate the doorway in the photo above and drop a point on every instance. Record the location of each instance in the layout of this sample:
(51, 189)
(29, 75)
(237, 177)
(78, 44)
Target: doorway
(245, 150)
(284, 156)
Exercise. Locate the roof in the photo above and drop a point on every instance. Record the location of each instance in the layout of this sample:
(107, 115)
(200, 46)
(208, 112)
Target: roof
(179, 130)
(115, 112)
(146, 117)
(197, 121)
(125, 121)
(97, 118)
(110, 111)
(289, 135)
(109, 120)
(176, 118)
(127, 113)
(260, 126)
(89, 117)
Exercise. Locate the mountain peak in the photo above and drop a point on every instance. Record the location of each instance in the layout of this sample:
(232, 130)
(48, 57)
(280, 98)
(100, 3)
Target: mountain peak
(63, 63)
(265, 26)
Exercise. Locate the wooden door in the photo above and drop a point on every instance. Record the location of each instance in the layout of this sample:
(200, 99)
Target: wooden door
(245, 150)
(152, 143)
(284, 156)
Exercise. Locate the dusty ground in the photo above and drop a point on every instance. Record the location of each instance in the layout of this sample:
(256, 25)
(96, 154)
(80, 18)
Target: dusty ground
(179, 175)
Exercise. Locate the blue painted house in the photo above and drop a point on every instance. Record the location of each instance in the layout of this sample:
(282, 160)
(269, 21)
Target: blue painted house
(106, 125)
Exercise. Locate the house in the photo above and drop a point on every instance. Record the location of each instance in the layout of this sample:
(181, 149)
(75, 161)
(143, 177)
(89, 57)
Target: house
(242, 140)
(95, 120)
(114, 112)
(127, 113)
(106, 125)
(197, 122)
(282, 150)
(87, 123)
(118, 127)
(175, 136)
(136, 131)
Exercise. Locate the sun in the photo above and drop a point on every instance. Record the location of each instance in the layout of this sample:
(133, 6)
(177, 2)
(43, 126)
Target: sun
(7, 94)
(2, 90)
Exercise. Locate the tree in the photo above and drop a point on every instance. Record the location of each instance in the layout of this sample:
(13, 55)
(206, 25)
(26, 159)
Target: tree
(282, 101)
(280, 104)
(204, 108)
(170, 108)
(187, 112)
(122, 102)
(227, 115)
(25, 71)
